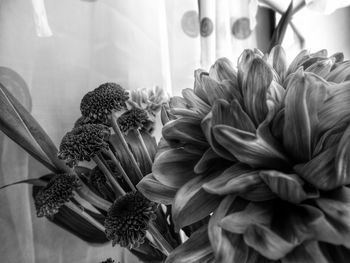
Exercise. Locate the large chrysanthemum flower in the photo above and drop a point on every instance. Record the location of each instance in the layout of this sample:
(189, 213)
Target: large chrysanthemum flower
(56, 193)
(83, 142)
(266, 148)
(128, 218)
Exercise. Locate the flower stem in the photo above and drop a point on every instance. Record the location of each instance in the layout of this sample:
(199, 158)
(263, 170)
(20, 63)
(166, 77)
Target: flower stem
(160, 240)
(143, 145)
(120, 169)
(115, 185)
(88, 195)
(85, 215)
(125, 146)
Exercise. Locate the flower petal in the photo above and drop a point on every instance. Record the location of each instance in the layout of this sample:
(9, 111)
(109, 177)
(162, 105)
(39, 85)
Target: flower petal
(266, 242)
(259, 150)
(255, 87)
(307, 253)
(322, 67)
(220, 114)
(298, 60)
(223, 70)
(208, 159)
(184, 131)
(195, 103)
(152, 189)
(320, 171)
(305, 94)
(278, 60)
(196, 249)
(342, 160)
(174, 167)
(335, 110)
(220, 241)
(288, 187)
(340, 74)
(234, 180)
(253, 214)
(192, 203)
(335, 227)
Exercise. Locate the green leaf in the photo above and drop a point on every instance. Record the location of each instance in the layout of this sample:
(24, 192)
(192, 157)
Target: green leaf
(196, 249)
(280, 30)
(17, 123)
(36, 182)
(192, 203)
(155, 191)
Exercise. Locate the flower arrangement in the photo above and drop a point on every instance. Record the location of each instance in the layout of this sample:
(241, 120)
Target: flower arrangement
(253, 164)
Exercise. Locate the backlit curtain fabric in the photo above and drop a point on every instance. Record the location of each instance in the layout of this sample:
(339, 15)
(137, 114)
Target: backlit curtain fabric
(63, 49)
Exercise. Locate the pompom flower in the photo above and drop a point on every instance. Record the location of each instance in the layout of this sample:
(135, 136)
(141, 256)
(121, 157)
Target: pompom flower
(97, 105)
(150, 100)
(265, 151)
(83, 143)
(128, 218)
(55, 194)
(135, 118)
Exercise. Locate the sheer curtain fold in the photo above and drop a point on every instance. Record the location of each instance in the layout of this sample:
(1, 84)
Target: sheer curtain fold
(136, 43)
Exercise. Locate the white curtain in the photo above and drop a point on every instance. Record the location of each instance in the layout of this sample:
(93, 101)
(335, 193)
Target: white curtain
(81, 44)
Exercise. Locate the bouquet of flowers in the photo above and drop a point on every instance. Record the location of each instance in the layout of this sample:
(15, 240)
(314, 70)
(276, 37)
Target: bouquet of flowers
(253, 164)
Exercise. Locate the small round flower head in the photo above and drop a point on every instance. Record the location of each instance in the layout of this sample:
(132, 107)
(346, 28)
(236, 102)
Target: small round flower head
(56, 193)
(128, 218)
(98, 104)
(135, 118)
(83, 143)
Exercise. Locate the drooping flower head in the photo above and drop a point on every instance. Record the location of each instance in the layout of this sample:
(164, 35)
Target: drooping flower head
(83, 143)
(128, 218)
(98, 104)
(266, 150)
(135, 118)
(56, 193)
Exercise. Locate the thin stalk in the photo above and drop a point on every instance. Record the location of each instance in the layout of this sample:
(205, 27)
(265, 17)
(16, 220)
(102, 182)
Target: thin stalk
(120, 169)
(88, 195)
(115, 185)
(160, 240)
(118, 132)
(86, 216)
(143, 145)
(277, 9)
